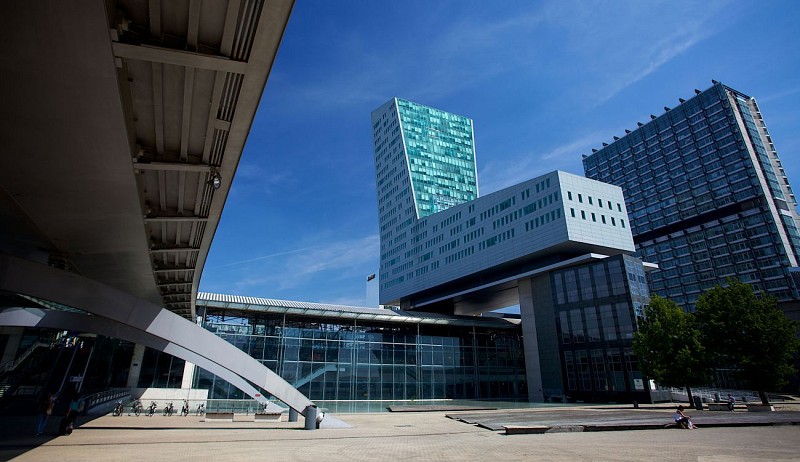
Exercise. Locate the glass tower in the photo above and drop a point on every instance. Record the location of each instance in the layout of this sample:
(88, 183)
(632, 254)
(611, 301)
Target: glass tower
(440, 154)
(426, 151)
(707, 197)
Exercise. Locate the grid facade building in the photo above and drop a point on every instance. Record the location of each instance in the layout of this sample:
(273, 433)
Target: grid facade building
(707, 197)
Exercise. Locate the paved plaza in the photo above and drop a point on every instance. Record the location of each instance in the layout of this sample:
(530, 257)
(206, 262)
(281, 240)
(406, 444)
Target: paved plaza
(422, 436)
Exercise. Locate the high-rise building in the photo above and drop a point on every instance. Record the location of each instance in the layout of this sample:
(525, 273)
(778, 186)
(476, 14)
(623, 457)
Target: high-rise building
(707, 197)
(558, 245)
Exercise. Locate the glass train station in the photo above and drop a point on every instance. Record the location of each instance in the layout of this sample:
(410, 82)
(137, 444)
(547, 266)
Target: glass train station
(332, 352)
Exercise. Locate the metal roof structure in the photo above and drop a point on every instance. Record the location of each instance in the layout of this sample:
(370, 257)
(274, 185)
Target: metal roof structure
(324, 310)
(123, 124)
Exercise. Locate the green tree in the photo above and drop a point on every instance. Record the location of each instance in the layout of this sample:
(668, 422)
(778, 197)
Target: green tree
(749, 334)
(667, 343)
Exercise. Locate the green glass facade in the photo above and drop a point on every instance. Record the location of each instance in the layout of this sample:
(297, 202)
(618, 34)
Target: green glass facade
(329, 359)
(440, 152)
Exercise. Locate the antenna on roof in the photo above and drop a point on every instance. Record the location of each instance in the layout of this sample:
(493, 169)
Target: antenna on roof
(697, 92)
(681, 100)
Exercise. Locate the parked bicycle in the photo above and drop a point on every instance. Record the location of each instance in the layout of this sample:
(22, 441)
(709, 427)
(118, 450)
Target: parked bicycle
(168, 409)
(151, 409)
(201, 409)
(117, 409)
(136, 408)
(185, 408)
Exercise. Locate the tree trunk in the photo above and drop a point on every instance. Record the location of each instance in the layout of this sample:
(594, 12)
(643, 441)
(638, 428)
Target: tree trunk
(764, 397)
(689, 394)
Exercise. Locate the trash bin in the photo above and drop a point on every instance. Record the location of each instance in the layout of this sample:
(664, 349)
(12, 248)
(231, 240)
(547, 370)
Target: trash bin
(698, 403)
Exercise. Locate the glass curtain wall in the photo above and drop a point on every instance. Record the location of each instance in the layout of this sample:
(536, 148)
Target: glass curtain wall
(353, 360)
(597, 306)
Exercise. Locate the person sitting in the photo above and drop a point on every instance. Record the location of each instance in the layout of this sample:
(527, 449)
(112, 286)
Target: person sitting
(682, 420)
(731, 402)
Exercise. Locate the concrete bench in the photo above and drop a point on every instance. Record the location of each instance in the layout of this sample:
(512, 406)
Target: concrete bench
(268, 417)
(718, 407)
(525, 429)
(759, 408)
(219, 416)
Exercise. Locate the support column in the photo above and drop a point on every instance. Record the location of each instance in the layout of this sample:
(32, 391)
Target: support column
(188, 375)
(540, 338)
(136, 366)
(311, 417)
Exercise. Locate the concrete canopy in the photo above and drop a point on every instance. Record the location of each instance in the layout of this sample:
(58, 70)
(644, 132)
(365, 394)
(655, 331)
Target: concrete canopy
(116, 117)
(123, 124)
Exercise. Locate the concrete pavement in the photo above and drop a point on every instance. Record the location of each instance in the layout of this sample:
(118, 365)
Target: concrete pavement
(394, 436)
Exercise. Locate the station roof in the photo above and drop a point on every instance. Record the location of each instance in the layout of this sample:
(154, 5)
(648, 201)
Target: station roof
(118, 117)
(328, 311)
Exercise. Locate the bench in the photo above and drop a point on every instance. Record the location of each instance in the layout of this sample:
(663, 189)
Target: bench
(760, 408)
(676, 425)
(219, 416)
(718, 407)
(268, 417)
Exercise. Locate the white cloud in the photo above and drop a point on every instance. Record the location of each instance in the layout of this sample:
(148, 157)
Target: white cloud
(532, 164)
(342, 259)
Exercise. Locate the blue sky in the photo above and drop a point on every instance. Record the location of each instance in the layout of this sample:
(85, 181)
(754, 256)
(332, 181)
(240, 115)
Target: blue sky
(544, 82)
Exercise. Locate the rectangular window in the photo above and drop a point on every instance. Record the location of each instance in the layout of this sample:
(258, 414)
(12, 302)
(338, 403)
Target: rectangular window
(569, 195)
(613, 222)
(577, 325)
(583, 214)
(580, 198)
(608, 324)
(594, 218)
(565, 333)
(590, 199)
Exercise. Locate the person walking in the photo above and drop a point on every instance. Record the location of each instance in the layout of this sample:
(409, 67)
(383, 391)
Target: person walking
(43, 411)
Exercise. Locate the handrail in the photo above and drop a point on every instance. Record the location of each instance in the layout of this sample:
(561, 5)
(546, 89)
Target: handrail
(14, 363)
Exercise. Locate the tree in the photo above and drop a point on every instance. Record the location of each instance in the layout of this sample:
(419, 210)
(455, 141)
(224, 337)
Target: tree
(668, 346)
(749, 334)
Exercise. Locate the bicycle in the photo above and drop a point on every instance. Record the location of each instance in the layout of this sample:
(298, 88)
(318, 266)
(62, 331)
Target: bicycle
(185, 408)
(117, 409)
(168, 409)
(136, 408)
(151, 409)
(201, 409)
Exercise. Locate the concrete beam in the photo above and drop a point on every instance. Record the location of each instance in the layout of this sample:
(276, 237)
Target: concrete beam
(24, 277)
(178, 58)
